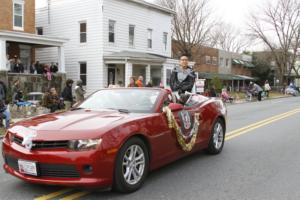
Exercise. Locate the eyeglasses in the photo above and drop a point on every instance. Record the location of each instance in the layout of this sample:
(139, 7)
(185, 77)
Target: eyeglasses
(183, 59)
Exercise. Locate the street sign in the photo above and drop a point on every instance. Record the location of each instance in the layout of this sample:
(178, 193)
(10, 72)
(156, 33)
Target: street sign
(200, 85)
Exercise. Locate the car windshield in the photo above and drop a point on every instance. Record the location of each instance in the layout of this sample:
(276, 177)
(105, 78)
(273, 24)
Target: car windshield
(131, 100)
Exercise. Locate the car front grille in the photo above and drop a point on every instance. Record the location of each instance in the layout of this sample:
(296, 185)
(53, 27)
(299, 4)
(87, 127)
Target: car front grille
(47, 170)
(54, 170)
(43, 144)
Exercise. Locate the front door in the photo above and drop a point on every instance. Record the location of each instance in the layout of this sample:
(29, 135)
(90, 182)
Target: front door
(111, 75)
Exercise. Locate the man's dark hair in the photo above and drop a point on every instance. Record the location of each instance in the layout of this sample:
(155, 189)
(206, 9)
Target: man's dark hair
(184, 55)
(69, 81)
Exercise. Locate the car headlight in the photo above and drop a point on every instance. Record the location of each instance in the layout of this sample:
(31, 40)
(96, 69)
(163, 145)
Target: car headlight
(81, 145)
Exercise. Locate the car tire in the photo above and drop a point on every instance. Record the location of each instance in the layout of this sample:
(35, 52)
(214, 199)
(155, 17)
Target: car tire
(217, 138)
(132, 165)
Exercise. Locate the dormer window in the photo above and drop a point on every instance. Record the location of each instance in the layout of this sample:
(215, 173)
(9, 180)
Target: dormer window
(18, 15)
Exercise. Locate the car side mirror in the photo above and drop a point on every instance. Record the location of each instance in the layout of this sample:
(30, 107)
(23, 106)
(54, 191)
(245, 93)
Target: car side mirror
(175, 107)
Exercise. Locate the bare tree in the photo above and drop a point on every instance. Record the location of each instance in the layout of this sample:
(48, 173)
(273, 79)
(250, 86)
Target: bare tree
(229, 38)
(278, 27)
(191, 24)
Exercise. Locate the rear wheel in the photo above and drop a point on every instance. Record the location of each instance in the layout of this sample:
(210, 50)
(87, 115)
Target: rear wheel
(132, 166)
(217, 139)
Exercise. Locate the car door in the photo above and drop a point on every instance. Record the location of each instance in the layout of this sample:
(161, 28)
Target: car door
(164, 141)
(185, 118)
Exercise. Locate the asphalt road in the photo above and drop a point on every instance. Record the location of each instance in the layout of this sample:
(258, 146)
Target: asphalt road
(258, 162)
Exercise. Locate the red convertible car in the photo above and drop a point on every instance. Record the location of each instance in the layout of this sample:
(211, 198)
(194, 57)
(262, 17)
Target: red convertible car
(113, 139)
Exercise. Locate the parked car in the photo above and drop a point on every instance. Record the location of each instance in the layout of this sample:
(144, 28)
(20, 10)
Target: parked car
(113, 139)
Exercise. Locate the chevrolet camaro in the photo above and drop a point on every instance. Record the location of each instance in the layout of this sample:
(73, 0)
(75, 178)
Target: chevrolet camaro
(113, 138)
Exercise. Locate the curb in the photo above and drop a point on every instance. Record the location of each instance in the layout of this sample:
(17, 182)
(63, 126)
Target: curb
(243, 102)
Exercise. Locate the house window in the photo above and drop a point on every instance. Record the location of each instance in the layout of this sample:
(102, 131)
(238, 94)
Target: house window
(165, 40)
(149, 39)
(18, 14)
(111, 27)
(207, 60)
(82, 32)
(131, 35)
(39, 30)
(273, 63)
(214, 61)
(222, 62)
(82, 73)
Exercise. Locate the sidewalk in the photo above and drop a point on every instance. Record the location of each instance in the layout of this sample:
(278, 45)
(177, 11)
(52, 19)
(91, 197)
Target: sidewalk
(240, 101)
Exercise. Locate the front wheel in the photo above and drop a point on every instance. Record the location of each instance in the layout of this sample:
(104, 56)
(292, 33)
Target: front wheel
(217, 138)
(132, 166)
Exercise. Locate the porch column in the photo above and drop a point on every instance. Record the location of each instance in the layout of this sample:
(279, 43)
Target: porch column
(164, 76)
(3, 55)
(61, 59)
(232, 85)
(238, 85)
(128, 73)
(148, 73)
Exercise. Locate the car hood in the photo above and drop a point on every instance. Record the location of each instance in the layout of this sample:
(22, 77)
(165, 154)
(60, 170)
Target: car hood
(79, 122)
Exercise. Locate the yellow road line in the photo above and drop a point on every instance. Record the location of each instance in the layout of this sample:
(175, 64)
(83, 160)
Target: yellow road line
(54, 194)
(75, 195)
(260, 122)
(258, 125)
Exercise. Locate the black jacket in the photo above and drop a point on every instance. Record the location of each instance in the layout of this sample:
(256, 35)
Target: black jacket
(186, 85)
(67, 94)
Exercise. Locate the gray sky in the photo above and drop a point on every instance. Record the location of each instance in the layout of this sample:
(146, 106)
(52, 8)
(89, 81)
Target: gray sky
(232, 11)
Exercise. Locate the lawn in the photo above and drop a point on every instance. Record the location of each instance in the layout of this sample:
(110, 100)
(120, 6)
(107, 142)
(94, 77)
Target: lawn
(2, 131)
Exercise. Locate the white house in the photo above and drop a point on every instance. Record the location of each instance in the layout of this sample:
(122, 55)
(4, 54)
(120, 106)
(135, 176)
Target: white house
(109, 40)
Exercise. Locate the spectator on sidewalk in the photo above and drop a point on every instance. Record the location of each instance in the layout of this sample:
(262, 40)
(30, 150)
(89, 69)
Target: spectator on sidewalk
(256, 89)
(67, 94)
(225, 96)
(4, 114)
(132, 82)
(139, 82)
(51, 100)
(3, 91)
(16, 91)
(79, 92)
(149, 84)
(267, 88)
(212, 91)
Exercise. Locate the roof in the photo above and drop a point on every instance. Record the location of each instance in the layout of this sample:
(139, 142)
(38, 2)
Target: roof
(207, 75)
(132, 55)
(241, 62)
(248, 64)
(154, 6)
(32, 38)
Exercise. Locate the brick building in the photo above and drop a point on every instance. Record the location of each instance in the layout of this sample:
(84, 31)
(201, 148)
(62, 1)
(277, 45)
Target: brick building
(232, 68)
(19, 41)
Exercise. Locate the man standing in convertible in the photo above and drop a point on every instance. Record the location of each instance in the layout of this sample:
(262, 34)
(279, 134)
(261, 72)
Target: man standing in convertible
(182, 78)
